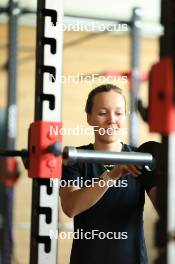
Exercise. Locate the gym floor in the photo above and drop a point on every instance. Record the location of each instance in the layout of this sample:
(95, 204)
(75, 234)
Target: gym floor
(100, 53)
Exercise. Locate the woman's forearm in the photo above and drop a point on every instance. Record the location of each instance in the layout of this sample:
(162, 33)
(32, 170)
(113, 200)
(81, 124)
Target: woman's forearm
(77, 201)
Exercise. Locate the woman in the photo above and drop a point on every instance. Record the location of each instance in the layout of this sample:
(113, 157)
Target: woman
(107, 217)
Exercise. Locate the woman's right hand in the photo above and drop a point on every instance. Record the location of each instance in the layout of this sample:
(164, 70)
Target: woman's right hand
(120, 170)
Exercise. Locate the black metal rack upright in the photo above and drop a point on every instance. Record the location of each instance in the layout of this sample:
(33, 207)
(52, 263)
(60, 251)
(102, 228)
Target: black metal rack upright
(49, 48)
(166, 225)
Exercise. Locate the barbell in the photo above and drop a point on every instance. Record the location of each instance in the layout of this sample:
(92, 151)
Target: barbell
(146, 155)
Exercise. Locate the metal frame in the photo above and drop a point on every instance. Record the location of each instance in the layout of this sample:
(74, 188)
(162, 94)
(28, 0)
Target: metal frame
(10, 135)
(13, 11)
(49, 46)
(166, 194)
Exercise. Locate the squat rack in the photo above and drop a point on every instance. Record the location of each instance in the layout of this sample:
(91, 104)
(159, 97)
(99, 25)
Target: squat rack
(167, 217)
(47, 112)
(14, 12)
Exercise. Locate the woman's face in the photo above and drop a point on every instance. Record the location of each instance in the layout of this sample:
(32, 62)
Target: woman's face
(108, 116)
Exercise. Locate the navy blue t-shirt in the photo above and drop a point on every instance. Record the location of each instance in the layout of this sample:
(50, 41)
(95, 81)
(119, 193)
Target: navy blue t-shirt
(111, 231)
